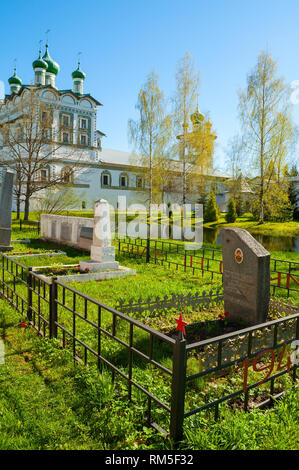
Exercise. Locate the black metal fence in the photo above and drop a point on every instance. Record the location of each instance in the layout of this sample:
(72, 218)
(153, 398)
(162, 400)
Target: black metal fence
(284, 274)
(172, 378)
(96, 333)
(30, 225)
(180, 303)
(250, 358)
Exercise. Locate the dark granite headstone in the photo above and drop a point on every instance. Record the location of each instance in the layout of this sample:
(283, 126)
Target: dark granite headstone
(5, 210)
(246, 276)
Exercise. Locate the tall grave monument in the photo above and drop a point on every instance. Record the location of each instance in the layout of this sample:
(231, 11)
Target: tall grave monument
(102, 254)
(246, 276)
(5, 210)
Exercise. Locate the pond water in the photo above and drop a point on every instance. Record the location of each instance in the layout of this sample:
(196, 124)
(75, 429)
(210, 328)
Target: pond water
(274, 243)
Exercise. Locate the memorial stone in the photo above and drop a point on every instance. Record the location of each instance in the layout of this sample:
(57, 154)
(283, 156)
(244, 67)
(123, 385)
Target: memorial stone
(102, 254)
(246, 277)
(5, 210)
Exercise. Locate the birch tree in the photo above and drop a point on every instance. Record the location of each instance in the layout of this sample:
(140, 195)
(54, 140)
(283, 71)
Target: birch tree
(151, 132)
(265, 113)
(194, 134)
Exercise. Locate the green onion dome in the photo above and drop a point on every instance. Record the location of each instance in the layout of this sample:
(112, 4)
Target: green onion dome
(40, 63)
(53, 67)
(78, 73)
(15, 80)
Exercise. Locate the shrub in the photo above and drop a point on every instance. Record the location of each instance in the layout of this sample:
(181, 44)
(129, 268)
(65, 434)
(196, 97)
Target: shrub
(231, 214)
(211, 211)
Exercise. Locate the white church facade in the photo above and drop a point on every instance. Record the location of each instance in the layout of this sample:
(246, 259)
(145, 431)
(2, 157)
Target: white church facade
(102, 173)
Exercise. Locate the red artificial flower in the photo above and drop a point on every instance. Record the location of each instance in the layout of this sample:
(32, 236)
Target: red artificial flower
(86, 270)
(221, 316)
(23, 324)
(30, 252)
(181, 324)
(225, 314)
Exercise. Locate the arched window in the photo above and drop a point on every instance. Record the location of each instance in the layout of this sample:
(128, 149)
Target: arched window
(123, 180)
(106, 179)
(67, 175)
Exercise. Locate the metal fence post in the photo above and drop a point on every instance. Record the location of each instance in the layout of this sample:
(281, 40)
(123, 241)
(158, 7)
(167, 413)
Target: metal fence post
(53, 309)
(148, 247)
(178, 390)
(29, 294)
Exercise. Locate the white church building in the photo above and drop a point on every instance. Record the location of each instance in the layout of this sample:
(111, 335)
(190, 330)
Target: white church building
(104, 173)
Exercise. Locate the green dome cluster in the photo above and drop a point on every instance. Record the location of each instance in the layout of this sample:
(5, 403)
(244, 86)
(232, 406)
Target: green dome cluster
(15, 80)
(52, 66)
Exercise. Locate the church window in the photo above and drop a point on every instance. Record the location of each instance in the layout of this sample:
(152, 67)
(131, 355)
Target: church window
(139, 182)
(65, 120)
(123, 180)
(67, 175)
(83, 139)
(106, 179)
(43, 175)
(65, 137)
(83, 123)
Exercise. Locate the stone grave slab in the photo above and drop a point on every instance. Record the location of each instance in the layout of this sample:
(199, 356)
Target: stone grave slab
(246, 276)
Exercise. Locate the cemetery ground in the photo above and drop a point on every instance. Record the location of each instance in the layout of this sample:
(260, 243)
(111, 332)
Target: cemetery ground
(93, 411)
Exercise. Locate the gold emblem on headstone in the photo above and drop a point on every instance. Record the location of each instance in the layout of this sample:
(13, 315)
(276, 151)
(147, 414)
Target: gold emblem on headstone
(239, 256)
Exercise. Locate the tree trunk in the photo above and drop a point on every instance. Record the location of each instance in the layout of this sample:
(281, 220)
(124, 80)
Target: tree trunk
(184, 174)
(27, 205)
(262, 211)
(262, 214)
(18, 207)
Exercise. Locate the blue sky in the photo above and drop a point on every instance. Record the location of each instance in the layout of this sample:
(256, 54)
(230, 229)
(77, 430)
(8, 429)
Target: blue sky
(122, 40)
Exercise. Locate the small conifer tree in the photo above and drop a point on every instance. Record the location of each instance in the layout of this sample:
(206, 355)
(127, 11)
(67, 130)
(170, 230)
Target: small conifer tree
(211, 211)
(231, 214)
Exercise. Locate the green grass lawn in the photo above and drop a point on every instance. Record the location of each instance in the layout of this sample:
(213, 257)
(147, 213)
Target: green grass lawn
(246, 221)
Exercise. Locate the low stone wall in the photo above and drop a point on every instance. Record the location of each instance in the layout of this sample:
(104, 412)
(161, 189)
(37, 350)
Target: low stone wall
(64, 229)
